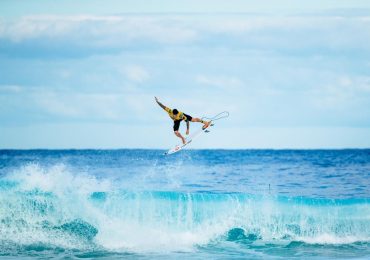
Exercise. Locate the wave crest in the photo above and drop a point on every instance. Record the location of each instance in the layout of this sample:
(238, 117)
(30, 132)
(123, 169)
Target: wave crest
(58, 208)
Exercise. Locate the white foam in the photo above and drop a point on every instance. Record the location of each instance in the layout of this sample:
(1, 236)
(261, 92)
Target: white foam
(144, 222)
(330, 239)
(57, 179)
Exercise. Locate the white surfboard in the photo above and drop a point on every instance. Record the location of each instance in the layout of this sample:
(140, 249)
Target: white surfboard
(189, 139)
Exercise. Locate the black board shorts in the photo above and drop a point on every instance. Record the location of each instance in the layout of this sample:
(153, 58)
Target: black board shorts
(176, 123)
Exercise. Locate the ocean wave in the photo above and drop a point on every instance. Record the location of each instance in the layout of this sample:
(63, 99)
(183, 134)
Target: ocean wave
(57, 208)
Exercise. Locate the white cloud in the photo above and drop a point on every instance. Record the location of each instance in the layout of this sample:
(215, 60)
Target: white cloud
(29, 27)
(145, 31)
(363, 84)
(113, 29)
(357, 85)
(340, 93)
(222, 82)
(83, 106)
(10, 89)
(64, 73)
(136, 73)
(63, 104)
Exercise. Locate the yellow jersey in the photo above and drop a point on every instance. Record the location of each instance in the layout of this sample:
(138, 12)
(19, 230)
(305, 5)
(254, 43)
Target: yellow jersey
(179, 116)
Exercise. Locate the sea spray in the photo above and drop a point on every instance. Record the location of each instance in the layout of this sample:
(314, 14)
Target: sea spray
(54, 206)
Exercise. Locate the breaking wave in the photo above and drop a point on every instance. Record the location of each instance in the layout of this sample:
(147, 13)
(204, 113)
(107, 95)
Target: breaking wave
(53, 207)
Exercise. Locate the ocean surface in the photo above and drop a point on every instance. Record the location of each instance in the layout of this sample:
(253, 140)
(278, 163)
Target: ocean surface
(196, 204)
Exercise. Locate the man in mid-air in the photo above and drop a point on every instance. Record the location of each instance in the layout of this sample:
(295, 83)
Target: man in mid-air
(177, 117)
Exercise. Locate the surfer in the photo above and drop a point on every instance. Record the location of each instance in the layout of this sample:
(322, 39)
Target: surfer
(178, 116)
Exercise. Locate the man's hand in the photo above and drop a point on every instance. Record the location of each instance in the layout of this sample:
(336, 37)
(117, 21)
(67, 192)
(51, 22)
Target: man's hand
(187, 132)
(159, 103)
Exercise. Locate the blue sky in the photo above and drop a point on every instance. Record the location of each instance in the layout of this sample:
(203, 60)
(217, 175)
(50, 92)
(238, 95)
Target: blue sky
(83, 74)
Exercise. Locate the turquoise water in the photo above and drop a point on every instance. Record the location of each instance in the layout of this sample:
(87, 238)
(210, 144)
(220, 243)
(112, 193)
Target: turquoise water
(217, 204)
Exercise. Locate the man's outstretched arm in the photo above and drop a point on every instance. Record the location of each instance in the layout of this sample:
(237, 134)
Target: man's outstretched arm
(160, 104)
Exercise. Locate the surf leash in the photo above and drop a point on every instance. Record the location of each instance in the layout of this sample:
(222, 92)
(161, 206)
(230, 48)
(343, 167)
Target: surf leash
(219, 116)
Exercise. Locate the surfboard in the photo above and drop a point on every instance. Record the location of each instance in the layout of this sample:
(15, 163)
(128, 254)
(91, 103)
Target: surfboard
(189, 139)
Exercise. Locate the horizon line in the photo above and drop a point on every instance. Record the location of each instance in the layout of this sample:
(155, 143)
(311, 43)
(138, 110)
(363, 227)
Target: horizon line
(191, 149)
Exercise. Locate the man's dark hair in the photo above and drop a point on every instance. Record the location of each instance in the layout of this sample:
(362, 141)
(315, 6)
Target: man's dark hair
(175, 111)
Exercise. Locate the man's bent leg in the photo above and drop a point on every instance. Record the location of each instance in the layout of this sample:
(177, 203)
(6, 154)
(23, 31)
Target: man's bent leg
(206, 124)
(177, 133)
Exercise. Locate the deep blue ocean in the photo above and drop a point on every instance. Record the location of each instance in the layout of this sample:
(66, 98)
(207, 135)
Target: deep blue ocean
(196, 204)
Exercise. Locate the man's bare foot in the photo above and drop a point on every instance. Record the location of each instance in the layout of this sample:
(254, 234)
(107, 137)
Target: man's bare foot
(183, 140)
(206, 124)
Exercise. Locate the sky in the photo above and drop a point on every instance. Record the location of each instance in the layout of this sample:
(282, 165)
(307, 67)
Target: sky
(83, 74)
